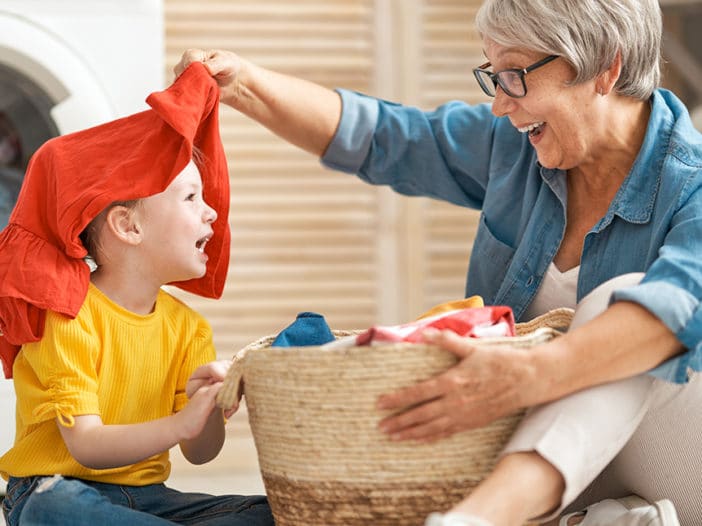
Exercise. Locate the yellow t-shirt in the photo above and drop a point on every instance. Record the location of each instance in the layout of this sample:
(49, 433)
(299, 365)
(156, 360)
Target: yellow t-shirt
(108, 361)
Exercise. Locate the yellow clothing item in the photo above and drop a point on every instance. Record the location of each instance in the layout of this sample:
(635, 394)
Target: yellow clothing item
(468, 303)
(108, 361)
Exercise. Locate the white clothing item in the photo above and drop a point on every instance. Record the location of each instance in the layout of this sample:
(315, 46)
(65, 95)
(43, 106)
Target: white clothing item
(454, 519)
(557, 289)
(629, 511)
(647, 428)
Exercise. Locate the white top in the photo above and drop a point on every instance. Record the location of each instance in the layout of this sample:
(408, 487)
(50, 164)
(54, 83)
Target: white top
(558, 289)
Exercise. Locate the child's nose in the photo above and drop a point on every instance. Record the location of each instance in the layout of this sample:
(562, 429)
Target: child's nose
(210, 214)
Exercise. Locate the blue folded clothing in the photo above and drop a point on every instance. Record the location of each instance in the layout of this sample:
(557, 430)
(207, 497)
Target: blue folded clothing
(309, 328)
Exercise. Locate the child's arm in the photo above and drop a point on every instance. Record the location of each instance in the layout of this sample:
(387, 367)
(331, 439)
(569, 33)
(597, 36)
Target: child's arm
(205, 446)
(99, 446)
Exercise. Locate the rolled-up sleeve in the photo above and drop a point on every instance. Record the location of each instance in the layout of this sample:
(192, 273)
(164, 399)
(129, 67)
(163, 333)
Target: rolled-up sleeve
(672, 287)
(448, 153)
(351, 143)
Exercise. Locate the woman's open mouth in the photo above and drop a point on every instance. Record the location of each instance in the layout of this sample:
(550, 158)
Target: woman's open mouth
(534, 130)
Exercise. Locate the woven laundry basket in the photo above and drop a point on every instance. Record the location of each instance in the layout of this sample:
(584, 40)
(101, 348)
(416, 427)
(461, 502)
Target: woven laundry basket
(324, 462)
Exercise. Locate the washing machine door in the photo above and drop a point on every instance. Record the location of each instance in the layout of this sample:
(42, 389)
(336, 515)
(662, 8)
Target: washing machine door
(46, 90)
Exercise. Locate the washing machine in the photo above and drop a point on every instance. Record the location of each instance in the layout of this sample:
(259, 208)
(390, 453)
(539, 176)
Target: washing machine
(64, 66)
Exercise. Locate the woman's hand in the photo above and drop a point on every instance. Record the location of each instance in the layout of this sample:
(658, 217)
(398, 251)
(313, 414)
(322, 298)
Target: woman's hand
(224, 66)
(485, 385)
(303, 113)
(488, 383)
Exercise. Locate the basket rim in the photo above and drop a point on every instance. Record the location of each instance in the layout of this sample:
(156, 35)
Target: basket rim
(553, 322)
(539, 330)
(263, 344)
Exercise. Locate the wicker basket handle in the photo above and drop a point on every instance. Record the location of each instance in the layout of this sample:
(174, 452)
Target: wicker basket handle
(229, 394)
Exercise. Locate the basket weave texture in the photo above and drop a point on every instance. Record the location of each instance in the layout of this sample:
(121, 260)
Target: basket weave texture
(324, 462)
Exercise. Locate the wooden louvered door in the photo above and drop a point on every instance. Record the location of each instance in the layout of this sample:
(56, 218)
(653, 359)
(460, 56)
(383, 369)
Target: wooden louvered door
(305, 238)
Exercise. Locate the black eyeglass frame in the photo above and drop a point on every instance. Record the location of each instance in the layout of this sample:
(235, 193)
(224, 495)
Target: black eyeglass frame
(496, 79)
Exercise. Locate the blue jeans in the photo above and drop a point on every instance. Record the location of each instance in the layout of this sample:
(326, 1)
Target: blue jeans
(34, 501)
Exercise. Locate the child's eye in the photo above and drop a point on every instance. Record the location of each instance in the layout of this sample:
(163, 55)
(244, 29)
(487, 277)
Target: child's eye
(191, 197)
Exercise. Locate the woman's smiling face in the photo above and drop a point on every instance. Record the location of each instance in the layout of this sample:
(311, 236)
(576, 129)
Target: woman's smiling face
(561, 119)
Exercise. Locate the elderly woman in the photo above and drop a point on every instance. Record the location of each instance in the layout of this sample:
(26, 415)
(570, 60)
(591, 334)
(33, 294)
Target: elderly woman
(584, 171)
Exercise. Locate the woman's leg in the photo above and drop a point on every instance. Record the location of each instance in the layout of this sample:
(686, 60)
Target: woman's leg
(580, 434)
(661, 460)
(559, 448)
(522, 485)
(557, 451)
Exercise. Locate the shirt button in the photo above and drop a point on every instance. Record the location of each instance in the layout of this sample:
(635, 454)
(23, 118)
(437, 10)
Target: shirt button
(530, 281)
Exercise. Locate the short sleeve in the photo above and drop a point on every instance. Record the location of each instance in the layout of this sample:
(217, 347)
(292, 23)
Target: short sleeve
(56, 377)
(199, 351)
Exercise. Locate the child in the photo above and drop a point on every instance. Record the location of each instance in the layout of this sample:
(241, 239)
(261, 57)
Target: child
(114, 371)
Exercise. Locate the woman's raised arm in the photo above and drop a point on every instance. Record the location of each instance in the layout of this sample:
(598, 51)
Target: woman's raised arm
(301, 112)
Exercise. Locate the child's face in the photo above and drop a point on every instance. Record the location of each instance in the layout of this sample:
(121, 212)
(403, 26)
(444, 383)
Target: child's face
(176, 225)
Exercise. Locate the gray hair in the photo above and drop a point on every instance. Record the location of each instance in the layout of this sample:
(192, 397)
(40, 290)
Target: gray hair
(588, 34)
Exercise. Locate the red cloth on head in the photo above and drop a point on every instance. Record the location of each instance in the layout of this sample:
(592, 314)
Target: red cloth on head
(72, 178)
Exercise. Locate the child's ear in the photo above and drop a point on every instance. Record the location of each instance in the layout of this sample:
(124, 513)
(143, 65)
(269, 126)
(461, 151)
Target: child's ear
(123, 223)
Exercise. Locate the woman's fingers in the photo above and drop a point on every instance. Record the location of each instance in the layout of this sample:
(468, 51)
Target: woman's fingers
(427, 431)
(449, 341)
(222, 65)
(434, 387)
(412, 395)
(188, 57)
(482, 387)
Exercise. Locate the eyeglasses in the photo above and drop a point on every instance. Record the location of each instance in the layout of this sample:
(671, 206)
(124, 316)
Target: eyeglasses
(510, 80)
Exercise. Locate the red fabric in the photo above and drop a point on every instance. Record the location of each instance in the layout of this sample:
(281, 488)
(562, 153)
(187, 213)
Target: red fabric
(475, 322)
(72, 178)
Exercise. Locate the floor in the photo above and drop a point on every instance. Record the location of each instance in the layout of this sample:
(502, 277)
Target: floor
(234, 471)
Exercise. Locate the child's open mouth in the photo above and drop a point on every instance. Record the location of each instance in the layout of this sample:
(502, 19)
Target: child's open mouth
(200, 245)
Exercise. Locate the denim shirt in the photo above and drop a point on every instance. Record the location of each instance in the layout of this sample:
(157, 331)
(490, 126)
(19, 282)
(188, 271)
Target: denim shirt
(465, 155)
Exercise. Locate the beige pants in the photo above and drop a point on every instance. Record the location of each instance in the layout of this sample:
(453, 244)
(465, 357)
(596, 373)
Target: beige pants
(636, 436)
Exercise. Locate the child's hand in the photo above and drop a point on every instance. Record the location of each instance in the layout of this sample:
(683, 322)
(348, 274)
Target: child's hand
(229, 412)
(207, 374)
(193, 417)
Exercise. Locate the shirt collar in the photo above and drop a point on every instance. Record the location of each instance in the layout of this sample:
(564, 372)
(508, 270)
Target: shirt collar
(636, 197)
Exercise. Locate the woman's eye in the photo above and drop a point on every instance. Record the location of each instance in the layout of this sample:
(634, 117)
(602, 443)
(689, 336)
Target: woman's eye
(191, 197)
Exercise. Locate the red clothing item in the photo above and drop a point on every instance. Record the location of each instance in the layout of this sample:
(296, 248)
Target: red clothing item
(473, 322)
(72, 178)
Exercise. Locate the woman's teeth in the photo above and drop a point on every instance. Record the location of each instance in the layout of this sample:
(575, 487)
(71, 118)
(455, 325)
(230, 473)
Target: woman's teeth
(531, 127)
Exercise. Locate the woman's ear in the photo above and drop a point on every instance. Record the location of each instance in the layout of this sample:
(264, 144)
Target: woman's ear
(605, 82)
(123, 223)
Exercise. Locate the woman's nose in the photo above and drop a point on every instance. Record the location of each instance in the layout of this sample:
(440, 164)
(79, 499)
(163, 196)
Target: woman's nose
(503, 104)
